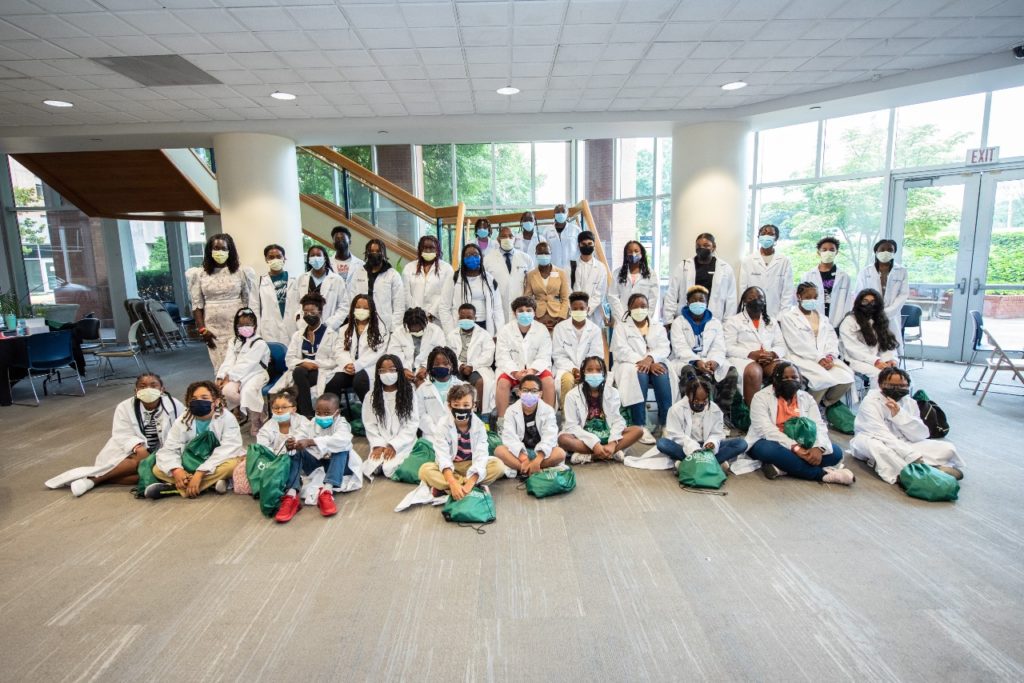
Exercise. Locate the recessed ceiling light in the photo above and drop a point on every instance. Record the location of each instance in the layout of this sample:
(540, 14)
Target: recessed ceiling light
(382, 132)
(508, 90)
(57, 103)
(815, 107)
(735, 85)
(567, 128)
(278, 95)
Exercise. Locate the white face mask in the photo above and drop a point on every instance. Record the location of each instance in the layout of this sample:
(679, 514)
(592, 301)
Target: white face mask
(389, 379)
(276, 264)
(148, 394)
(827, 256)
(429, 256)
(884, 256)
(578, 316)
(507, 243)
(362, 314)
(639, 314)
(220, 256)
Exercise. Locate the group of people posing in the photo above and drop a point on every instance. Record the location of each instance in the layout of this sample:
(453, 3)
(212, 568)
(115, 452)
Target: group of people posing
(515, 342)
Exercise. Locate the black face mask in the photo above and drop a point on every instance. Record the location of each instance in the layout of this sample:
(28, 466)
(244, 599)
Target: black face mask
(754, 307)
(461, 415)
(312, 320)
(895, 393)
(587, 250)
(198, 406)
(342, 249)
(703, 254)
(787, 388)
(374, 260)
(870, 308)
(698, 407)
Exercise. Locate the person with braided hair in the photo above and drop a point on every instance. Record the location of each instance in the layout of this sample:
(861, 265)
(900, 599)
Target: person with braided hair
(390, 417)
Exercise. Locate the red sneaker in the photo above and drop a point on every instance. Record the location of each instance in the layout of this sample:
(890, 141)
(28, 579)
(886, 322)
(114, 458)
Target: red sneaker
(325, 501)
(289, 508)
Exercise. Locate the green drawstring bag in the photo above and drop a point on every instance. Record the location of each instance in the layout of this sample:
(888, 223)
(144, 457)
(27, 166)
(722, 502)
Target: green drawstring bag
(701, 470)
(194, 454)
(475, 508)
(739, 414)
(598, 426)
(268, 476)
(550, 482)
(493, 441)
(409, 471)
(803, 430)
(840, 418)
(927, 483)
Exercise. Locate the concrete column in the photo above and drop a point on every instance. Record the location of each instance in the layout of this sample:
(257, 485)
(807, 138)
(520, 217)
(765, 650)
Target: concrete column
(711, 170)
(177, 256)
(258, 179)
(120, 260)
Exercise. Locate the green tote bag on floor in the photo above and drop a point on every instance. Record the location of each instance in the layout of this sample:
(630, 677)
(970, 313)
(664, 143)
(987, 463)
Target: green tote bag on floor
(550, 482)
(701, 470)
(476, 507)
(927, 483)
(268, 476)
(409, 471)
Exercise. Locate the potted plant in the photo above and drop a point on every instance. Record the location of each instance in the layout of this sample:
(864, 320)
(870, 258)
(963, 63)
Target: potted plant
(10, 309)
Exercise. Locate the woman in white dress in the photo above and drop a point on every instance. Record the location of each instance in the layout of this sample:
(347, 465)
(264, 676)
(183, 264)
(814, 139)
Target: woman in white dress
(218, 289)
(390, 417)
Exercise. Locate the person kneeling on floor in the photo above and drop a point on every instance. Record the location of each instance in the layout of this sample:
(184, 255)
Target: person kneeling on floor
(695, 423)
(529, 435)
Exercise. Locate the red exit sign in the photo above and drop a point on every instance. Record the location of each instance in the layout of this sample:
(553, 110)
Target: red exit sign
(983, 155)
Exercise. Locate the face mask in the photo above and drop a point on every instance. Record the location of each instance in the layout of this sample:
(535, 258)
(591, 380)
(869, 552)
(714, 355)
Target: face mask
(529, 399)
(428, 256)
(809, 304)
(766, 241)
(199, 406)
(507, 243)
(312, 320)
(587, 249)
(578, 316)
(466, 324)
(324, 421)
(461, 414)
(698, 407)
(389, 379)
(316, 262)
(895, 393)
(440, 373)
(481, 233)
(528, 226)
(703, 254)
(543, 259)
(827, 256)
(246, 331)
(525, 318)
(281, 418)
(632, 258)
(148, 395)
(275, 264)
(362, 314)
(754, 307)
(560, 217)
(375, 260)
(884, 256)
(869, 307)
(787, 388)
(639, 314)
(219, 256)
(418, 333)
(472, 262)
(698, 308)
(595, 380)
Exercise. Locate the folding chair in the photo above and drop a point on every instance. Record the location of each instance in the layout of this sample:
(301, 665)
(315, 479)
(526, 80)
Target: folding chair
(89, 332)
(911, 318)
(132, 350)
(978, 346)
(47, 354)
(169, 330)
(998, 361)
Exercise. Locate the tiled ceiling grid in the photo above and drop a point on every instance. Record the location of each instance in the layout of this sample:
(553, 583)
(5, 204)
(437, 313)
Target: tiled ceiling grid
(387, 58)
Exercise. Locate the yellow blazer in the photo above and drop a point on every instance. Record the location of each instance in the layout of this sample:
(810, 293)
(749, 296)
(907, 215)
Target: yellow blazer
(553, 298)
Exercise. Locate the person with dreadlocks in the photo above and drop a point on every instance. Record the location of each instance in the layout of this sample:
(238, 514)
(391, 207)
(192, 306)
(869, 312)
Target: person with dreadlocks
(432, 394)
(413, 341)
(634, 277)
(243, 373)
(361, 342)
(379, 280)
(390, 417)
(204, 413)
(867, 341)
(311, 357)
(472, 285)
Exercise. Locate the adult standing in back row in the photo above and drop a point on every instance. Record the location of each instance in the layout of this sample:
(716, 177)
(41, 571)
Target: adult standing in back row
(218, 289)
(704, 270)
(381, 282)
(562, 238)
(889, 278)
(770, 271)
(345, 262)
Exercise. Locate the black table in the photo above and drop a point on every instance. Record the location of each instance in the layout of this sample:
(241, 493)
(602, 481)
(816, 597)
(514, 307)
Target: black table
(13, 350)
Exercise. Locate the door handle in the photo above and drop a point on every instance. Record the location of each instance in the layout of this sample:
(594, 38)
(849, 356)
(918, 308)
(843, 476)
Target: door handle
(962, 285)
(977, 286)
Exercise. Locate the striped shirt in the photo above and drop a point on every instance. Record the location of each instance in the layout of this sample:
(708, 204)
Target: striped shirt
(465, 448)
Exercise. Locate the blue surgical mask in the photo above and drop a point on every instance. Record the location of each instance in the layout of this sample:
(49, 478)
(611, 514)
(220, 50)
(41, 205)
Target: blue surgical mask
(632, 258)
(316, 262)
(528, 226)
(525, 318)
(466, 324)
(560, 217)
(698, 307)
(766, 241)
(281, 417)
(472, 262)
(482, 232)
(324, 421)
(594, 379)
(543, 259)
(809, 304)
(529, 399)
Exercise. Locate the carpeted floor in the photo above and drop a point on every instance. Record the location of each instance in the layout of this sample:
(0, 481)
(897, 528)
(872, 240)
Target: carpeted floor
(627, 578)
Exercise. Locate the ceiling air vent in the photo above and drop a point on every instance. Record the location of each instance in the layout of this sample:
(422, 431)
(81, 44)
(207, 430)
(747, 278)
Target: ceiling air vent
(157, 70)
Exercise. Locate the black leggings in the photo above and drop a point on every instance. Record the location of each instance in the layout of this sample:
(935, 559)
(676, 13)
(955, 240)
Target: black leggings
(304, 380)
(342, 382)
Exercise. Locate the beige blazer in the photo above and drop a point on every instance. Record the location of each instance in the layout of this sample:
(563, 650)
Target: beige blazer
(553, 298)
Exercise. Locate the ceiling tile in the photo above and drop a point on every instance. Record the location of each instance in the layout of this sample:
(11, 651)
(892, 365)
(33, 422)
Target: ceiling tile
(578, 53)
(483, 13)
(527, 69)
(86, 47)
(264, 19)
(43, 26)
(486, 55)
(318, 18)
(100, 24)
(208, 20)
(685, 31)
(593, 11)
(785, 29)
(284, 41)
(760, 10)
(435, 37)
(402, 72)
(236, 42)
(810, 9)
(446, 70)
(305, 59)
(880, 28)
(334, 39)
(373, 16)
(429, 14)
(137, 45)
(633, 33)
(805, 48)
(614, 67)
(449, 55)
(734, 30)
(535, 35)
(396, 57)
(714, 50)
(475, 36)
(671, 50)
(377, 37)
(188, 43)
(542, 12)
(625, 51)
(658, 66)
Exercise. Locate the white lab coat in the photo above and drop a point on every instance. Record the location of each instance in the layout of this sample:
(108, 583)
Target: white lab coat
(444, 437)
(388, 294)
(723, 290)
(273, 325)
(568, 352)
(271, 438)
(629, 347)
(529, 247)
(337, 439)
(493, 303)
(805, 349)
(591, 277)
(896, 293)
(513, 430)
(433, 406)
(402, 345)
(516, 352)
(764, 410)
(324, 358)
(359, 352)
(742, 338)
(564, 247)
(857, 354)
(347, 267)
(390, 431)
(125, 435)
(776, 279)
(332, 289)
(839, 304)
(426, 290)
(712, 346)
(889, 443)
(246, 362)
(575, 414)
(619, 293)
(480, 355)
(510, 285)
(223, 426)
(692, 430)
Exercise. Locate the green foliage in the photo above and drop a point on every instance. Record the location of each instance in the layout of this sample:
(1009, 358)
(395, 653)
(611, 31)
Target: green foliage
(921, 146)
(361, 154)
(934, 259)
(32, 232)
(155, 284)
(27, 196)
(473, 171)
(437, 175)
(158, 258)
(316, 177)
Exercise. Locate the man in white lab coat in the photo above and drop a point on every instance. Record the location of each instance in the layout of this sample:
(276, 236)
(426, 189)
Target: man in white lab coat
(770, 271)
(523, 348)
(708, 271)
(591, 276)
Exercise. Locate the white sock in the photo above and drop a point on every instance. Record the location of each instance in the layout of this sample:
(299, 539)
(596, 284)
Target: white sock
(291, 492)
(82, 486)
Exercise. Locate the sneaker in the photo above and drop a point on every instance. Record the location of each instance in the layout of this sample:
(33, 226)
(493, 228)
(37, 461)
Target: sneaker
(289, 508)
(438, 493)
(951, 471)
(80, 487)
(159, 490)
(770, 471)
(619, 456)
(221, 486)
(325, 501)
(647, 438)
(581, 458)
(841, 476)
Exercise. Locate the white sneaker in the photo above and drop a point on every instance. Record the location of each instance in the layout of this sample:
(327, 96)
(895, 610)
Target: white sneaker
(510, 473)
(581, 458)
(80, 487)
(647, 437)
(221, 486)
(841, 476)
(619, 456)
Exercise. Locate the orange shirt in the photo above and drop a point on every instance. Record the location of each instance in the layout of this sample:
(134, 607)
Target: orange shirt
(757, 324)
(787, 409)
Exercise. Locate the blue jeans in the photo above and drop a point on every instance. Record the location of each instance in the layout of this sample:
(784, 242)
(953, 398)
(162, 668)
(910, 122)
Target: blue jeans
(727, 450)
(787, 461)
(662, 394)
(303, 462)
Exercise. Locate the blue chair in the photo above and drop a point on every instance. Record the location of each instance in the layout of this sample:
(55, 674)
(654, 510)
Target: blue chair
(910, 315)
(276, 368)
(46, 354)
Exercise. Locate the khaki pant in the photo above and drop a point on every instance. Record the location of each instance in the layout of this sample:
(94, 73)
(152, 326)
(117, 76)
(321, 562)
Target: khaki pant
(432, 476)
(566, 382)
(222, 471)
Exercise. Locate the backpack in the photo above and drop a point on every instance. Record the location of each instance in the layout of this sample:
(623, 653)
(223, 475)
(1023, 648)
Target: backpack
(927, 483)
(701, 470)
(932, 415)
(475, 509)
(550, 482)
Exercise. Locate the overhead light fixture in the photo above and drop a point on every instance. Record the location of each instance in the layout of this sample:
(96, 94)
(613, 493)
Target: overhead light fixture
(278, 95)
(508, 90)
(567, 128)
(735, 85)
(57, 103)
(382, 132)
(816, 107)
